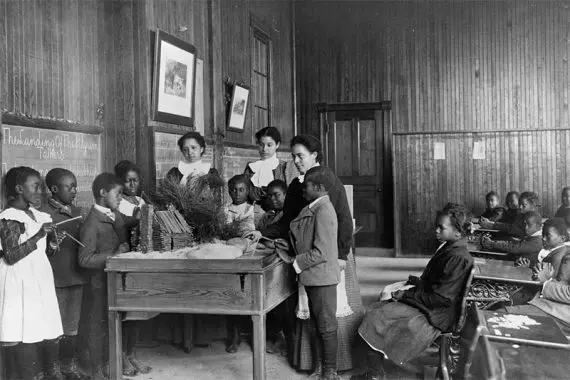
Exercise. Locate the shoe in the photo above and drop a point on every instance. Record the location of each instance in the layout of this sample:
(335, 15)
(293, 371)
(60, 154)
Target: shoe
(141, 368)
(330, 374)
(54, 372)
(71, 371)
(128, 368)
(318, 372)
(234, 341)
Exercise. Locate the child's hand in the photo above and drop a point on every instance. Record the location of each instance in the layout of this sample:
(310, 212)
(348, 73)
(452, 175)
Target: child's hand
(49, 228)
(522, 262)
(123, 248)
(253, 235)
(486, 241)
(341, 264)
(485, 223)
(543, 272)
(398, 294)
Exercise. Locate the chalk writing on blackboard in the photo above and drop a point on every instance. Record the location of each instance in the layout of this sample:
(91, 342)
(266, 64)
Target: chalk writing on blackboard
(45, 149)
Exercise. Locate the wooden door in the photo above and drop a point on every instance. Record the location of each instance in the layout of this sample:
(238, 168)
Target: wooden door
(354, 141)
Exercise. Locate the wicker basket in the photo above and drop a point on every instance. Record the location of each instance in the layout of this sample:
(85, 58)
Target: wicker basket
(163, 230)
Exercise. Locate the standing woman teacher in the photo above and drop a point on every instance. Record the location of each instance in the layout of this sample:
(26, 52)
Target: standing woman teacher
(306, 152)
(192, 146)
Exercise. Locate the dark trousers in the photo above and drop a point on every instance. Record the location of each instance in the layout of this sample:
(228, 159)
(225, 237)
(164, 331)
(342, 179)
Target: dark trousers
(322, 305)
(97, 326)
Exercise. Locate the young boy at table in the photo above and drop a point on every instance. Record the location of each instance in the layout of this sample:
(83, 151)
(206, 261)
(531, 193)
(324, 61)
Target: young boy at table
(397, 331)
(564, 210)
(102, 240)
(528, 201)
(554, 299)
(528, 246)
(511, 211)
(69, 278)
(240, 209)
(276, 191)
(313, 236)
(494, 211)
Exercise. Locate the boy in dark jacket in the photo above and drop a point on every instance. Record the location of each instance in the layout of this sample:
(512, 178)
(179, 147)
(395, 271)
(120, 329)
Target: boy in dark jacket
(68, 277)
(314, 238)
(528, 246)
(102, 240)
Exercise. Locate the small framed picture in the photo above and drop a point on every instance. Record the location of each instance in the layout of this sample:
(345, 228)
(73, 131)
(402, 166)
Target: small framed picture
(174, 80)
(238, 108)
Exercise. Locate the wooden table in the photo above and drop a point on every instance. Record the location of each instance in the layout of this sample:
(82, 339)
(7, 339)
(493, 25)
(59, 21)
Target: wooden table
(249, 285)
(523, 362)
(546, 333)
(499, 280)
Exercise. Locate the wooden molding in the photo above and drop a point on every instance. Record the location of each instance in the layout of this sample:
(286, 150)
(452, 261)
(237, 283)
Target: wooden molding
(46, 123)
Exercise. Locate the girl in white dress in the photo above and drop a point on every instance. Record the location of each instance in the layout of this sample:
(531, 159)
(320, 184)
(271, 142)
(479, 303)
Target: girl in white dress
(29, 312)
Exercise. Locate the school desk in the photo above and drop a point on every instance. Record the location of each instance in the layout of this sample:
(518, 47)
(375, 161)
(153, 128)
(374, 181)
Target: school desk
(497, 281)
(248, 285)
(522, 362)
(476, 251)
(522, 329)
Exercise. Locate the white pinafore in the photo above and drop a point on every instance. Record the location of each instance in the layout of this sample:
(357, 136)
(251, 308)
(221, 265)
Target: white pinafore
(29, 312)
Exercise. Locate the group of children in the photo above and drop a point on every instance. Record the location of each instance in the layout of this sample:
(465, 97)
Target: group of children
(53, 309)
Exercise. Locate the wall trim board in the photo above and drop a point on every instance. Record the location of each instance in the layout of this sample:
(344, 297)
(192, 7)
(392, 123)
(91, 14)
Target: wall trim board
(169, 129)
(54, 124)
(458, 132)
(326, 107)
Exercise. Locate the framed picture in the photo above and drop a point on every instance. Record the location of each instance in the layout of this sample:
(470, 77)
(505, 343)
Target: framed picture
(174, 80)
(238, 108)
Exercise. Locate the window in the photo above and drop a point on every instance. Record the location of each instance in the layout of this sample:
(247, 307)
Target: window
(260, 78)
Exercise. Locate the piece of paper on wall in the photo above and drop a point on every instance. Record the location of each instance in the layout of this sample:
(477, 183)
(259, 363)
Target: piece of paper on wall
(478, 150)
(199, 97)
(439, 151)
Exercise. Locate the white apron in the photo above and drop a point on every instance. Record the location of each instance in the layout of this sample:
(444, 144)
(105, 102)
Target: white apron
(29, 312)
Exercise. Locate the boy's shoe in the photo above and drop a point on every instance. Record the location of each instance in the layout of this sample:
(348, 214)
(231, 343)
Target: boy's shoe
(330, 374)
(140, 367)
(234, 341)
(71, 371)
(128, 367)
(318, 372)
(54, 372)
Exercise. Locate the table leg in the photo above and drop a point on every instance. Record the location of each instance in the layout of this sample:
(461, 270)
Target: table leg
(258, 347)
(115, 346)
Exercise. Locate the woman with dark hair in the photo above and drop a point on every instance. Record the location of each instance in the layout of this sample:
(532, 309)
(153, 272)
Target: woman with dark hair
(306, 151)
(192, 146)
(268, 168)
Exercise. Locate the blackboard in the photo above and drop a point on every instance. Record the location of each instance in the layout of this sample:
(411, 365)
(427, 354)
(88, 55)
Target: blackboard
(166, 153)
(45, 149)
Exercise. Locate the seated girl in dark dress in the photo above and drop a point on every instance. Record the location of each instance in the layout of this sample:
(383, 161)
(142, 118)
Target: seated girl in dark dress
(400, 329)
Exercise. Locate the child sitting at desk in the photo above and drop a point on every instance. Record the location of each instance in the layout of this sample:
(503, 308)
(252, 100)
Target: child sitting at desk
(528, 246)
(512, 207)
(494, 211)
(102, 240)
(554, 299)
(528, 201)
(564, 210)
(399, 330)
(276, 191)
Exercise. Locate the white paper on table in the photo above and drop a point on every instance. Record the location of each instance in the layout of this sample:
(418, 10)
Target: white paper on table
(478, 150)
(439, 151)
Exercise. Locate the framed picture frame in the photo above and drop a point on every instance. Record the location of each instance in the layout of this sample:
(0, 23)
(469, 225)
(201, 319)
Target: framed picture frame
(238, 108)
(174, 80)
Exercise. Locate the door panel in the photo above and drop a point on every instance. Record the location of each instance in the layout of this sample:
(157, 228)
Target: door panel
(354, 152)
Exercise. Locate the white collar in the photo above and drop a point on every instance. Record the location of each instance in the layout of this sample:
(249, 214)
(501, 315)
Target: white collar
(105, 210)
(537, 233)
(191, 169)
(313, 203)
(302, 176)
(263, 171)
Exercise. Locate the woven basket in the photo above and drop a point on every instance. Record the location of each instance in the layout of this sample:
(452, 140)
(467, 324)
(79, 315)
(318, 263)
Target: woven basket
(163, 230)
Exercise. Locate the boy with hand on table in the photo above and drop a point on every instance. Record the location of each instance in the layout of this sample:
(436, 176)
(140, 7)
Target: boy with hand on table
(102, 239)
(68, 277)
(528, 246)
(528, 201)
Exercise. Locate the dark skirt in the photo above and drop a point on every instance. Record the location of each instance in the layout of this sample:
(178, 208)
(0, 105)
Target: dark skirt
(302, 352)
(400, 331)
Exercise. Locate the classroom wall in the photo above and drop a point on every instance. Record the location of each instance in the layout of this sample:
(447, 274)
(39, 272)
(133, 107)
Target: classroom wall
(449, 68)
(90, 63)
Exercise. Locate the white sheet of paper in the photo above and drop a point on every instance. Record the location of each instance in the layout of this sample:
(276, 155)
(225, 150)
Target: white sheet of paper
(439, 151)
(478, 150)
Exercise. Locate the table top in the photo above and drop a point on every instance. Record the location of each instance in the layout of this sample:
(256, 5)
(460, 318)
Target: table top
(523, 362)
(522, 329)
(503, 271)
